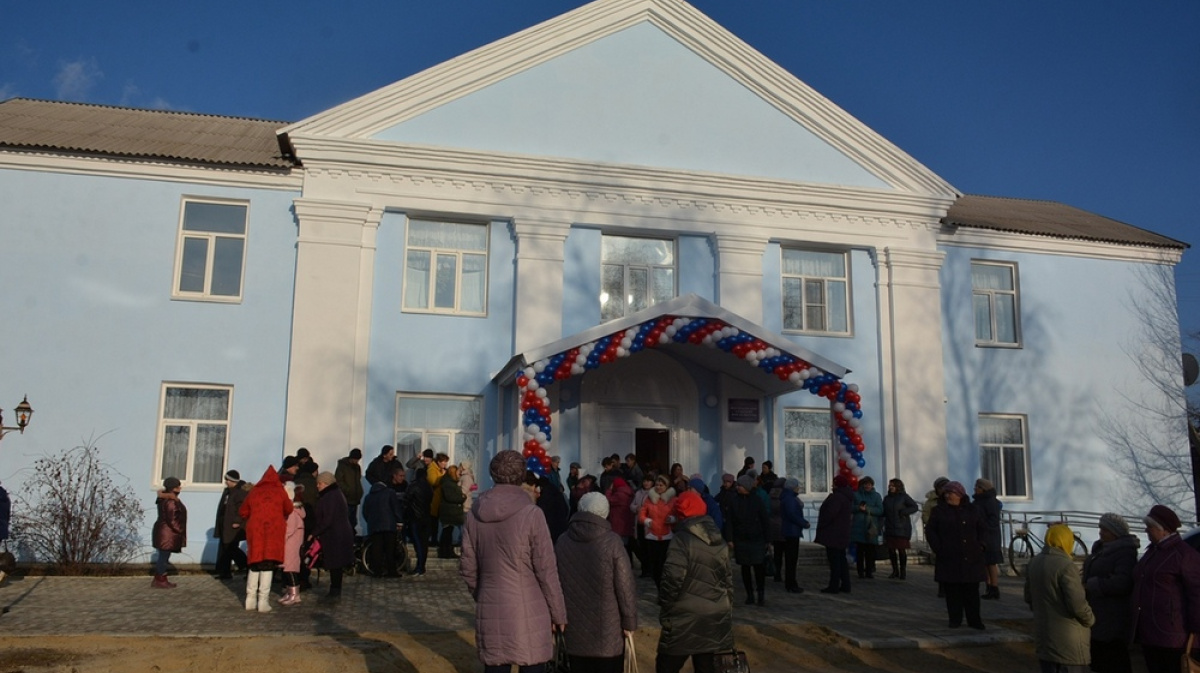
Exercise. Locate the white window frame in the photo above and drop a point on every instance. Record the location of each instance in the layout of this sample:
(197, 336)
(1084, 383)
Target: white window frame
(187, 478)
(454, 434)
(991, 295)
(999, 480)
(458, 254)
(627, 268)
(809, 446)
(211, 238)
(825, 293)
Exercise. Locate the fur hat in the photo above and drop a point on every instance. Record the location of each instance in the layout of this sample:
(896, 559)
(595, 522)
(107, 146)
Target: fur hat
(1115, 524)
(1163, 517)
(171, 483)
(689, 504)
(594, 503)
(507, 467)
(326, 478)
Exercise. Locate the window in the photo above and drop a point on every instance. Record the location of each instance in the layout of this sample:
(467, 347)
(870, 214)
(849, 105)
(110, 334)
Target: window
(994, 294)
(1004, 454)
(808, 448)
(194, 432)
(211, 251)
(815, 292)
(635, 273)
(446, 424)
(445, 267)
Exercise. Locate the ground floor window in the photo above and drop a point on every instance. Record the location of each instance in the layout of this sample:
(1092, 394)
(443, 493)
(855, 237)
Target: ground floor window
(444, 423)
(808, 448)
(1004, 454)
(194, 432)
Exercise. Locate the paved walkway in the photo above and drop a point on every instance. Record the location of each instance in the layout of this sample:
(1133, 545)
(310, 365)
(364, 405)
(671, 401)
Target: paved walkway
(880, 613)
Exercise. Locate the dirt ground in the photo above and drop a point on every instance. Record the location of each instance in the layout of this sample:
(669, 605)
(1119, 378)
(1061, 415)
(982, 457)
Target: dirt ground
(783, 649)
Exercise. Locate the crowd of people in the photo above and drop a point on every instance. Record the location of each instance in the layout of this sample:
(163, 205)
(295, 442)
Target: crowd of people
(572, 541)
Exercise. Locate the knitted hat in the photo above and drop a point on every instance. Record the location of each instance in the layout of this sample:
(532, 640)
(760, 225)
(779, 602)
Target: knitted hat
(289, 462)
(746, 482)
(508, 467)
(939, 483)
(233, 475)
(170, 484)
(1115, 524)
(594, 503)
(728, 478)
(1161, 516)
(326, 478)
(791, 484)
(841, 481)
(689, 504)
(954, 487)
(355, 453)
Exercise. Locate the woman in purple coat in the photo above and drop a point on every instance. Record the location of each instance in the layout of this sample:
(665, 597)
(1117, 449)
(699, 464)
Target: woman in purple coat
(332, 528)
(170, 530)
(509, 566)
(1166, 592)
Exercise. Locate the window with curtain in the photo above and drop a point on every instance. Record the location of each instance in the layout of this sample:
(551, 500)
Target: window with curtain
(1004, 454)
(444, 423)
(211, 250)
(194, 432)
(808, 448)
(994, 295)
(445, 268)
(816, 291)
(635, 273)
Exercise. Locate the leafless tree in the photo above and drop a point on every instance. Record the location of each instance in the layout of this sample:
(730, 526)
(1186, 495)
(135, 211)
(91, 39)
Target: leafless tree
(1147, 434)
(72, 512)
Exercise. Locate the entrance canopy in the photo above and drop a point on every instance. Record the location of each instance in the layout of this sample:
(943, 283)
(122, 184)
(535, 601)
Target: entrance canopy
(747, 367)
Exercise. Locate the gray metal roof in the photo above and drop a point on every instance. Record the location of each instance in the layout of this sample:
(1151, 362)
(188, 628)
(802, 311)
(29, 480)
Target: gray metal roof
(1048, 218)
(100, 130)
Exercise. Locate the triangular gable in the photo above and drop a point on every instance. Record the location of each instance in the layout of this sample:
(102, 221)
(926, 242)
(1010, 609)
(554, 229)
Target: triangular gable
(828, 143)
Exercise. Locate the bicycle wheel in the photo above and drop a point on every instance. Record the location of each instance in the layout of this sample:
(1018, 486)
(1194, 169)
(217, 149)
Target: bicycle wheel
(364, 558)
(1080, 553)
(1020, 552)
(402, 555)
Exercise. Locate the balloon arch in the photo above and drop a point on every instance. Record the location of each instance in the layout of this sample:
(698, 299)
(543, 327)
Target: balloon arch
(534, 379)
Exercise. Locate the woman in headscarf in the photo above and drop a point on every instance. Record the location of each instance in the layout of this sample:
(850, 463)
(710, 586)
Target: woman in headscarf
(266, 510)
(956, 533)
(332, 528)
(1062, 619)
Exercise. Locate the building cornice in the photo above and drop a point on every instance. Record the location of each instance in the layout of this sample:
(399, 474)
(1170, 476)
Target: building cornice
(498, 185)
(141, 169)
(1049, 245)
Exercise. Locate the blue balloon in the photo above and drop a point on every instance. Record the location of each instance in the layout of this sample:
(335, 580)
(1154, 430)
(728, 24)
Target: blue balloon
(862, 462)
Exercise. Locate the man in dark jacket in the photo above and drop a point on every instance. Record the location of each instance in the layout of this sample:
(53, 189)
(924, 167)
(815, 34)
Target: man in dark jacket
(747, 528)
(380, 471)
(696, 595)
(833, 532)
(383, 512)
(349, 478)
(416, 518)
(228, 527)
(956, 534)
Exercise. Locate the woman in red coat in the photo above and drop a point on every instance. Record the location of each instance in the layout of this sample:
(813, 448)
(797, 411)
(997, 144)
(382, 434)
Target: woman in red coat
(265, 509)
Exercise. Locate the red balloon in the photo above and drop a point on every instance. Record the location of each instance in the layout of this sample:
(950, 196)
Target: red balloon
(522, 381)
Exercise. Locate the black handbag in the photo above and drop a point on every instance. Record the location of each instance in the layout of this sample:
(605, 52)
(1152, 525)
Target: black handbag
(560, 663)
(733, 661)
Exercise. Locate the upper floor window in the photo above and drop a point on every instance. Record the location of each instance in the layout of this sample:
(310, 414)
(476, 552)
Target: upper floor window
(635, 273)
(211, 251)
(194, 432)
(445, 423)
(445, 267)
(808, 448)
(1004, 454)
(994, 294)
(816, 294)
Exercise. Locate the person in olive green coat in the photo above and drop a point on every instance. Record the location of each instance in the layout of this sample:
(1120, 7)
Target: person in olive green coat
(1062, 618)
(450, 514)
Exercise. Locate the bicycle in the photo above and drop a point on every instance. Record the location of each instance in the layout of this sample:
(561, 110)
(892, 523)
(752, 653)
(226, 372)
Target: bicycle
(1025, 543)
(364, 557)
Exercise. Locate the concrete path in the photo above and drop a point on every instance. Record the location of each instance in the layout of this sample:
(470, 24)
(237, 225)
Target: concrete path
(879, 613)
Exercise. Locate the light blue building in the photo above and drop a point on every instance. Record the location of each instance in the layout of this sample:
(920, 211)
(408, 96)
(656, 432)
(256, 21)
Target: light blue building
(626, 194)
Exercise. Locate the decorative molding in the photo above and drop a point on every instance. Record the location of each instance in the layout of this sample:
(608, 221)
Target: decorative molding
(141, 169)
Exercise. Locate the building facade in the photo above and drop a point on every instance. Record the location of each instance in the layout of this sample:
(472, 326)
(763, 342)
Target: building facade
(627, 195)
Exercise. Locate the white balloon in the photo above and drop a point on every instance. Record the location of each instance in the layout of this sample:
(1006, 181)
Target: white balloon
(663, 338)
(541, 392)
(849, 415)
(854, 422)
(670, 331)
(529, 373)
(541, 436)
(540, 366)
(631, 333)
(580, 359)
(839, 407)
(533, 384)
(622, 352)
(576, 370)
(626, 342)
(794, 377)
(804, 373)
(853, 387)
(531, 430)
(857, 471)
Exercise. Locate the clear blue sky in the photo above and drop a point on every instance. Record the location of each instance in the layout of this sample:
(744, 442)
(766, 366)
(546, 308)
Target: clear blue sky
(1093, 103)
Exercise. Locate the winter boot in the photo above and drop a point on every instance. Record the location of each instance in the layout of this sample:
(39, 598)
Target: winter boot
(761, 599)
(264, 591)
(160, 582)
(895, 568)
(291, 597)
(253, 582)
(903, 567)
(993, 593)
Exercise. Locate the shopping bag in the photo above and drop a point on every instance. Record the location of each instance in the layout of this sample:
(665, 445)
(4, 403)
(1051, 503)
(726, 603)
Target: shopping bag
(730, 662)
(560, 663)
(310, 553)
(630, 655)
(1188, 664)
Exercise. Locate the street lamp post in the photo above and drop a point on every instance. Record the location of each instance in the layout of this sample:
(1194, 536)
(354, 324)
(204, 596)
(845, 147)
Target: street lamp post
(24, 413)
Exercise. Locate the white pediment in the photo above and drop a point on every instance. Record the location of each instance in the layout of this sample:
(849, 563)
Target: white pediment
(631, 82)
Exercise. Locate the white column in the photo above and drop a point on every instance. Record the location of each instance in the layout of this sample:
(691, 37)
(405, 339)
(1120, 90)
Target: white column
(539, 301)
(913, 379)
(740, 275)
(331, 325)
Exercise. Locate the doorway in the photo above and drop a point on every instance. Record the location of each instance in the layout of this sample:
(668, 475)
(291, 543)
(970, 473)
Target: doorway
(652, 446)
